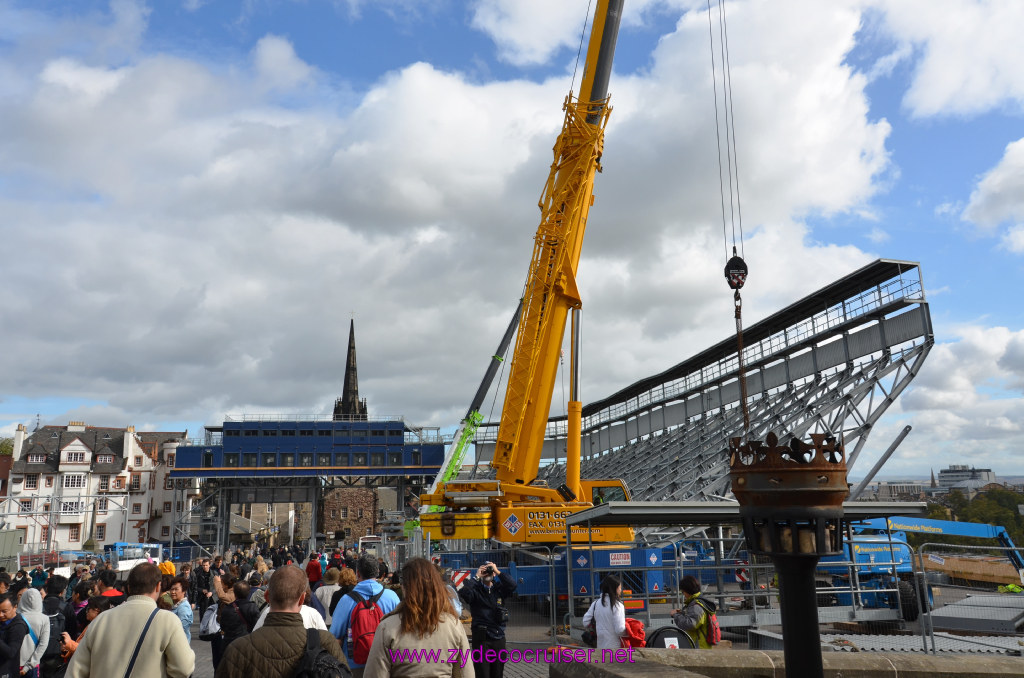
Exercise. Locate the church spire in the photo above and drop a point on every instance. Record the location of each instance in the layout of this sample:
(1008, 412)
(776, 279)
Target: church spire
(349, 406)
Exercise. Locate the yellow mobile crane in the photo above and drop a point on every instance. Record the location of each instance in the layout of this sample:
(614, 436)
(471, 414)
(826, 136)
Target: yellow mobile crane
(516, 507)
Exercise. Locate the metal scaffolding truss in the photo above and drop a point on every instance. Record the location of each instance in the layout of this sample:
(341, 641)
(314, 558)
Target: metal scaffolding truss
(833, 362)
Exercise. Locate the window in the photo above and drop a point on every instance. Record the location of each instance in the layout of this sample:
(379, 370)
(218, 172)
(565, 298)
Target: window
(138, 460)
(101, 505)
(306, 432)
(394, 458)
(348, 532)
(170, 460)
(75, 533)
(136, 508)
(232, 433)
(37, 458)
(104, 459)
(344, 512)
(360, 513)
(377, 433)
(334, 513)
(104, 483)
(359, 459)
(70, 508)
(377, 459)
(249, 459)
(416, 458)
(270, 460)
(231, 460)
(49, 481)
(76, 457)
(271, 432)
(287, 460)
(207, 459)
(167, 507)
(74, 480)
(168, 483)
(119, 483)
(305, 459)
(324, 433)
(32, 481)
(165, 531)
(288, 433)
(178, 505)
(101, 532)
(252, 434)
(44, 533)
(136, 482)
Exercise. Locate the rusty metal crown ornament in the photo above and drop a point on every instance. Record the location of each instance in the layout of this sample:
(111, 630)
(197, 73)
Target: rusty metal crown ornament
(791, 496)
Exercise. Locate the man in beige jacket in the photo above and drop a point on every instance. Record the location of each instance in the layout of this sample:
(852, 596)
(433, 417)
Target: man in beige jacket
(107, 647)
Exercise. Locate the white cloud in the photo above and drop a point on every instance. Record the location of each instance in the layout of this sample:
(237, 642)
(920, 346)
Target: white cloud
(1013, 239)
(278, 66)
(999, 195)
(191, 246)
(968, 51)
(878, 236)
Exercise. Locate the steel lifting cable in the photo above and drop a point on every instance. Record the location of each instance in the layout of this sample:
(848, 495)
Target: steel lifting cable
(735, 267)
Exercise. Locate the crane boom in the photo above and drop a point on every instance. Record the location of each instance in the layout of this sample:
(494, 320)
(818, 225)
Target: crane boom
(550, 290)
(516, 507)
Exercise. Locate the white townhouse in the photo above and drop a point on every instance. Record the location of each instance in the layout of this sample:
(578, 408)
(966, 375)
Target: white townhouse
(76, 486)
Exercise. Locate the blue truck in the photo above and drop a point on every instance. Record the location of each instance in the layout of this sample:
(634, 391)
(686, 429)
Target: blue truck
(883, 566)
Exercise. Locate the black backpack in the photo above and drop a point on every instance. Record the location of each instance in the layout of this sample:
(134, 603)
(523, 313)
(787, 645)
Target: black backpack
(318, 662)
(57, 627)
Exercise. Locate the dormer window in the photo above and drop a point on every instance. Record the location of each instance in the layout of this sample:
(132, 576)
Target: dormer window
(37, 458)
(104, 459)
(76, 457)
(106, 436)
(53, 435)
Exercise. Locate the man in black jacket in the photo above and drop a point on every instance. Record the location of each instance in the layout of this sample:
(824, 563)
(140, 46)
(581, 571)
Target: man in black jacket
(202, 587)
(51, 663)
(13, 630)
(484, 595)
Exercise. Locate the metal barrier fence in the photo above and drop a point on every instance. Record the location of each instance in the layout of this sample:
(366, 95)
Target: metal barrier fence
(976, 601)
(887, 598)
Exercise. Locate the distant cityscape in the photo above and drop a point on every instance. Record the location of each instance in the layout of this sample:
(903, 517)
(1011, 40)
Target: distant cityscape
(967, 479)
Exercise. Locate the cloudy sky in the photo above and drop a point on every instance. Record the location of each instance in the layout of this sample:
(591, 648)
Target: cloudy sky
(196, 197)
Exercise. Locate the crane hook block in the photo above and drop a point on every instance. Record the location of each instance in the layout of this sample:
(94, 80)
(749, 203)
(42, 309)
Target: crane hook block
(736, 273)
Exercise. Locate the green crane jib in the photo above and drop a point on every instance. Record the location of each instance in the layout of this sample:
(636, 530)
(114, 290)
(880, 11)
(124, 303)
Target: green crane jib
(456, 454)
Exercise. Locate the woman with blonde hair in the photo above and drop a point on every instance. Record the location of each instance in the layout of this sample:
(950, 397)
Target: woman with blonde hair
(424, 620)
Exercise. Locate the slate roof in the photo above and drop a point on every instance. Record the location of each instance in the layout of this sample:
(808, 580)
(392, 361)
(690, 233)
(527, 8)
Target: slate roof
(50, 440)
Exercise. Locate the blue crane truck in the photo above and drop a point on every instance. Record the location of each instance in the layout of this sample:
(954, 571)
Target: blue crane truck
(883, 566)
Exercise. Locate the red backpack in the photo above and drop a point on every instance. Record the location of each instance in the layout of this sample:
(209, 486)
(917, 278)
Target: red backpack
(712, 631)
(366, 616)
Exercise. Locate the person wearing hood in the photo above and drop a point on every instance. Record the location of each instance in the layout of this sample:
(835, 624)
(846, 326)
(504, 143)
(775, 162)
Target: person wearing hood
(38, 637)
(693, 618)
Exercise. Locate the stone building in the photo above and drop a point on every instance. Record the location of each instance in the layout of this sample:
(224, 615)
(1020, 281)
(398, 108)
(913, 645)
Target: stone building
(349, 513)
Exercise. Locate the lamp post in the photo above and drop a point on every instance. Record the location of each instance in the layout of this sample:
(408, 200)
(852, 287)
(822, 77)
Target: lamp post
(791, 503)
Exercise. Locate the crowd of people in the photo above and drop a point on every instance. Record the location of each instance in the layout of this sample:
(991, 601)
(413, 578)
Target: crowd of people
(265, 613)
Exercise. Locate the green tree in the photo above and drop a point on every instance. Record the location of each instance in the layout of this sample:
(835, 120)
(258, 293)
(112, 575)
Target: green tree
(6, 446)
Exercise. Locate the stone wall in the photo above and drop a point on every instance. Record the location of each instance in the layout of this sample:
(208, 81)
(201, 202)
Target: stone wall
(352, 508)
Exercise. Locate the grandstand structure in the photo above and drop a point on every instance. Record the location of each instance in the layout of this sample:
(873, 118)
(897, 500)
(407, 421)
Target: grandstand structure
(832, 362)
